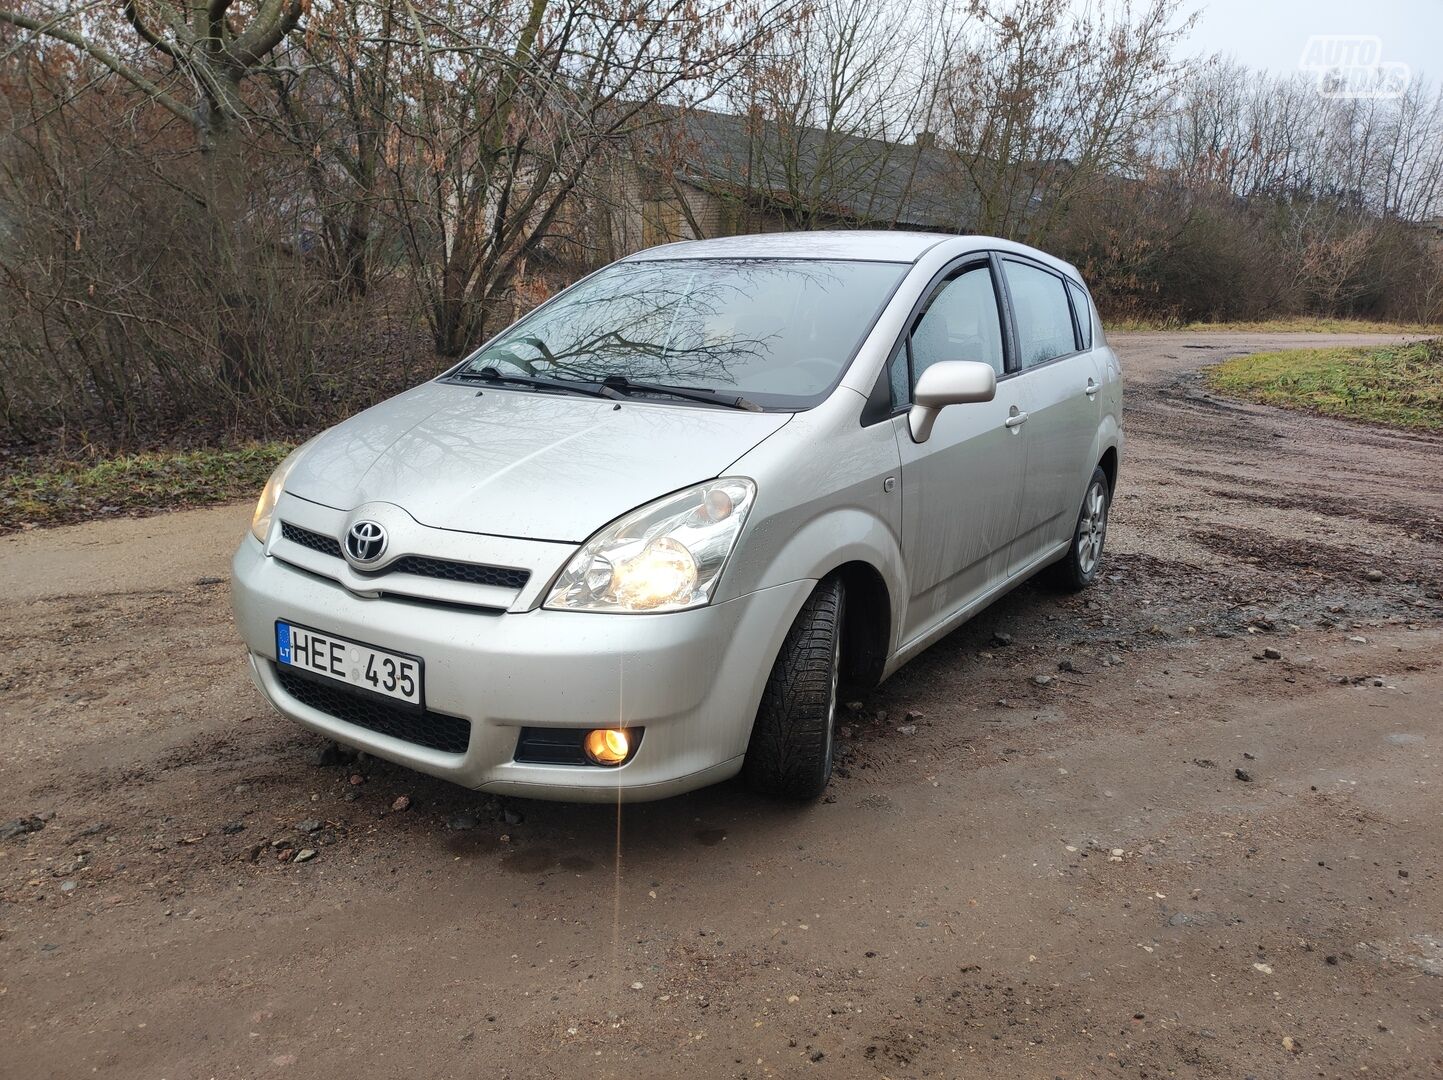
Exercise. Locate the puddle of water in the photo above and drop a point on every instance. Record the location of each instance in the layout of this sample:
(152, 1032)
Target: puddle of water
(529, 862)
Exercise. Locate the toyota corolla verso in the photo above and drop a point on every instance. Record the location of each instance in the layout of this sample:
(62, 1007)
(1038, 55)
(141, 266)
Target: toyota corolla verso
(633, 544)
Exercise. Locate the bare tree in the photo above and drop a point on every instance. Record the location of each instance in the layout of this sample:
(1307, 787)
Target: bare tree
(1410, 169)
(502, 113)
(211, 50)
(1042, 100)
(832, 103)
(335, 101)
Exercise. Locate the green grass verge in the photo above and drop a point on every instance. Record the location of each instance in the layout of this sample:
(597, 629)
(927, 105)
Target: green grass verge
(57, 491)
(1401, 386)
(1292, 325)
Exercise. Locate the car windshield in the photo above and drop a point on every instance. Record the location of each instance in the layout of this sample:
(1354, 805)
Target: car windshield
(777, 332)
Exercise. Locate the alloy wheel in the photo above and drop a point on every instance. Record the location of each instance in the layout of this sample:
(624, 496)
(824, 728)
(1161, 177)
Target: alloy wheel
(1092, 528)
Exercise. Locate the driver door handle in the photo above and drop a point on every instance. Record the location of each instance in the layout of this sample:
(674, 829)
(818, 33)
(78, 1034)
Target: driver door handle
(1016, 420)
(1092, 388)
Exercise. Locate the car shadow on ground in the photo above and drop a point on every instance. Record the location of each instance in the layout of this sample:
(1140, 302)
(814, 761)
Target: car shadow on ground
(442, 820)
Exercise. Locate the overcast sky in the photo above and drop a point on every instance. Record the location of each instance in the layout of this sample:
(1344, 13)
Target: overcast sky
(1272, 33)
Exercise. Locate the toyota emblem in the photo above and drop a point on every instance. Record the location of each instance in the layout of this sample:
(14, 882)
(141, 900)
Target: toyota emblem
(365, 542)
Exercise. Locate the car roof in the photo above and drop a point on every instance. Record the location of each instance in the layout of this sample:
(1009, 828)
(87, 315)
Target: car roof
(873, 245)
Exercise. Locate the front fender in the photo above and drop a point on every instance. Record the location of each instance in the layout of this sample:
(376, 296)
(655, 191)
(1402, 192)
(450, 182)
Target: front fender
(828, 494)
(784, 551)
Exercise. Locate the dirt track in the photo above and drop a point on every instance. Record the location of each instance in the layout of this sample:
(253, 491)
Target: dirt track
(1060, 880)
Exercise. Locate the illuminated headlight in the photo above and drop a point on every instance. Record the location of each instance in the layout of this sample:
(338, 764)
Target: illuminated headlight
(266, 504)
(666, 556)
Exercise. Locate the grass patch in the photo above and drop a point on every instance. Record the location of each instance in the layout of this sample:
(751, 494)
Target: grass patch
(1291, 325)
(57, 491)
(1401, 386)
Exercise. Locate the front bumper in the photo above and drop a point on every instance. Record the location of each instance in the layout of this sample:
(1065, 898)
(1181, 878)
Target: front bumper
(693, 679)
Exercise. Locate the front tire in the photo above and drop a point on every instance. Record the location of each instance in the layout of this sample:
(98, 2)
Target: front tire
(1078, 568)
(790, 753)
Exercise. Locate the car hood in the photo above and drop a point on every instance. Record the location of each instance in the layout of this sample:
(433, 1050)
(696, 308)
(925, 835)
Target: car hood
(517, 463)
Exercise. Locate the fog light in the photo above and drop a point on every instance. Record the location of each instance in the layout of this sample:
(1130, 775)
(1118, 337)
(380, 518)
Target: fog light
(607, 746)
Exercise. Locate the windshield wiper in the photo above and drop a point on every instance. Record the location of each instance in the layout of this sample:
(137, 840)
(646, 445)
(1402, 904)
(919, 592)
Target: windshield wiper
(610, 386)
(621, 384)
(491, 375)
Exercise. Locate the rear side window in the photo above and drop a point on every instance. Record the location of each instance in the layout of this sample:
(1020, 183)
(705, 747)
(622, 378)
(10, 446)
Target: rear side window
(1083, 306)
(1044, 318)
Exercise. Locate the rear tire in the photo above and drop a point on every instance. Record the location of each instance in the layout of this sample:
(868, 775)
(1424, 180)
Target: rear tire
(790, 753)
(1079, 567)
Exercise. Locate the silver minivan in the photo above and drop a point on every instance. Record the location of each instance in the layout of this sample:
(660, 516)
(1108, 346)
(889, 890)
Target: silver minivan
(634, 544)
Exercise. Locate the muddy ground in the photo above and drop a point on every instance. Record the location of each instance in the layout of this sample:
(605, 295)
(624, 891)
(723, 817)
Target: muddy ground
(1177, 857)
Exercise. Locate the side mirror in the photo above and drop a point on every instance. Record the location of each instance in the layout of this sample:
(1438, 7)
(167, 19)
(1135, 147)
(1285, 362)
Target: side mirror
(950, 382)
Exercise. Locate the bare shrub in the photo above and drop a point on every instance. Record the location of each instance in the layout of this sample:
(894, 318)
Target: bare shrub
(105, 330)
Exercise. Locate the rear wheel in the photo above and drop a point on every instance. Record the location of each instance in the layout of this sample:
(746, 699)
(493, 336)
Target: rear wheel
(1078, 568)
(790, 754)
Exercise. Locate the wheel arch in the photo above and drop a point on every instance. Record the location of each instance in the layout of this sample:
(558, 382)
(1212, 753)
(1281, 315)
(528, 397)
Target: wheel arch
(1108, 464)
(866, 623)
(848, 541)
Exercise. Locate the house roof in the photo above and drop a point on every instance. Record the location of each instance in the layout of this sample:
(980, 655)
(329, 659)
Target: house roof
(828, 174)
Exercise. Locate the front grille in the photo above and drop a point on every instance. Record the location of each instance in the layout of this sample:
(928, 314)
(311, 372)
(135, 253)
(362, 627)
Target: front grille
(315, 541)
(445, 569)
(472, 573)
(437, 731)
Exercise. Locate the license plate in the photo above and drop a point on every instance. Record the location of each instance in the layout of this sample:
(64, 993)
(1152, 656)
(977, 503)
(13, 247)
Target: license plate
(392, 675)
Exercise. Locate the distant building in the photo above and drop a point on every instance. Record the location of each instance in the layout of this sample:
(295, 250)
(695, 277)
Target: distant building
(1432, 231)
(698, 174)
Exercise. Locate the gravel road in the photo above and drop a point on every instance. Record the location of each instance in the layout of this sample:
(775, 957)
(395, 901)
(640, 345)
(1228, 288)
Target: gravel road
(1186, 824)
